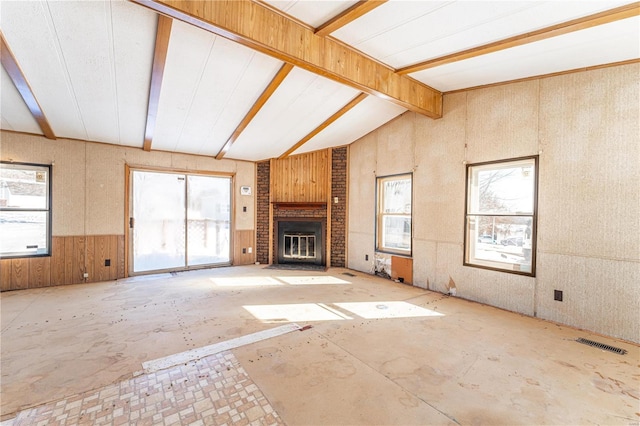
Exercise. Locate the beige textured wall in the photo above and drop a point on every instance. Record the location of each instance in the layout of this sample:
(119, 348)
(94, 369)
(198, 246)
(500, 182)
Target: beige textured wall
(88, 180)
(586, 128)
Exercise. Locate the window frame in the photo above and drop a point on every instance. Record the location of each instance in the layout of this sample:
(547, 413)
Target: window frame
(380, 215)
(48, 210)
(467, 258)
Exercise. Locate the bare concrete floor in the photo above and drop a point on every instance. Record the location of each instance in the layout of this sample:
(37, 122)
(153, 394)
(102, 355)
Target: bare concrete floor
(378, 352)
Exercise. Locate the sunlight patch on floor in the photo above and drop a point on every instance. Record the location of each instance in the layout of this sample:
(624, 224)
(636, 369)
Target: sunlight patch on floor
(245, 281)
(294, 312)
(373, 310)
(312, 280)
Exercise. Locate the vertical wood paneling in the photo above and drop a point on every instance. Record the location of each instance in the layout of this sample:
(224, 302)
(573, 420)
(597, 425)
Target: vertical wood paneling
(121, 256)
(243, 239)
(57, 264)
(79, 259)
(5, 274)
(301, 178)
(91, 255)
(19, 274)
(39, 272)
(113, 257)
(101, 253)
(68, 260)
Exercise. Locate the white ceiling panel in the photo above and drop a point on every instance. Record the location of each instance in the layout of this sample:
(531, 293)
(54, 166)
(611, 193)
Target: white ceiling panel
(85, 35)
(134, 37)
(402, 33)
(29, 30)
(89, 64)
(14, 112)
(187, 55)
(609, 43)
(313, 13)
(209, 85)
(365, 117)
(301, 103)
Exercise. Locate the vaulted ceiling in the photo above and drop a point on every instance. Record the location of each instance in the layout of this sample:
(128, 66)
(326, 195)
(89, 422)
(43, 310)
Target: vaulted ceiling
(253, 80)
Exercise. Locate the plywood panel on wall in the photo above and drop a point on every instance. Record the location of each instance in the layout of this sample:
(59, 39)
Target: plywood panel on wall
(301, 178)
(402, 267)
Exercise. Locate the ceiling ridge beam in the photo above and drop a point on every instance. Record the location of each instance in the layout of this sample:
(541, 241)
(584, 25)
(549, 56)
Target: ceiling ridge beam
(601, 18)
(359, 9)
(251, 24)
(19, 80)
(355, 101)
(257, 106)
(163, 34)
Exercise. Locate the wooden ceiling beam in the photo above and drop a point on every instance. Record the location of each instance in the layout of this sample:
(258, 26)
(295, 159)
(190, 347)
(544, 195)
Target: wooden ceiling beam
(354, 12)
(355, 101)
(163, 34)
(260, 28)
(10, 64)
(608, 16)
(257, 106)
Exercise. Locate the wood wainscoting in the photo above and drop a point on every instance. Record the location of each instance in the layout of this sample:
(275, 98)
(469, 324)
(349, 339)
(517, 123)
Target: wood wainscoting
(71, 257)
(244, 240)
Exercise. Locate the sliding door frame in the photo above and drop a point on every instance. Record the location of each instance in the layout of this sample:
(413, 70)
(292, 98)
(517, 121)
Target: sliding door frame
(128, 212)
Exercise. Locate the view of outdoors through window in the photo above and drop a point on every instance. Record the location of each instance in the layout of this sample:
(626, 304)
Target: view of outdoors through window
(180, 220)
(501, 215)
(24, 210)
(394, 214)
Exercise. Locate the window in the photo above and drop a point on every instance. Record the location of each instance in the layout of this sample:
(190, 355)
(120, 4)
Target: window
(500, 231)
(394, 214)
(25, 210)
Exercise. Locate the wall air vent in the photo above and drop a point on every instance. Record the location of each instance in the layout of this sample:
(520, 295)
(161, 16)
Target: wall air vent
(601, 346)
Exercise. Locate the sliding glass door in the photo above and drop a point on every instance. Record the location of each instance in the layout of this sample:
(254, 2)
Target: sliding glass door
(179, 221)
(208, 220)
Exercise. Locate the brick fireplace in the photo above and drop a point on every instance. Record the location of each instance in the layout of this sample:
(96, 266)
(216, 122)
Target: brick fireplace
(293, 227)
(299, 220)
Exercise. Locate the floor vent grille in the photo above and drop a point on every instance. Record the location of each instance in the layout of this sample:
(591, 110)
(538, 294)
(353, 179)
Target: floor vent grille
(601, 346)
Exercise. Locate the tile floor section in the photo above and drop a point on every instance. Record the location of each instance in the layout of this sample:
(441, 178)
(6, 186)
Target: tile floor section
(214, 390)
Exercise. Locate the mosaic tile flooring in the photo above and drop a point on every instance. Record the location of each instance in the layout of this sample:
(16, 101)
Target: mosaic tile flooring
(214, 390)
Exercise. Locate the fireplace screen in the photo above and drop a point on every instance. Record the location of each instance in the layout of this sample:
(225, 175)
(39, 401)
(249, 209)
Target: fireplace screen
(299, 246)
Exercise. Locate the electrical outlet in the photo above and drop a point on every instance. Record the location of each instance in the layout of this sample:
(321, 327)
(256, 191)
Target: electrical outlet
(107, 262)
(250, 249)
(244, 251)
(366, 257)
(244, 209)
(86, 275)
(557, 295)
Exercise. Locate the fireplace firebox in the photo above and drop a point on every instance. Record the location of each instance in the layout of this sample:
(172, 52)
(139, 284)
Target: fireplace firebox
(300, 241)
